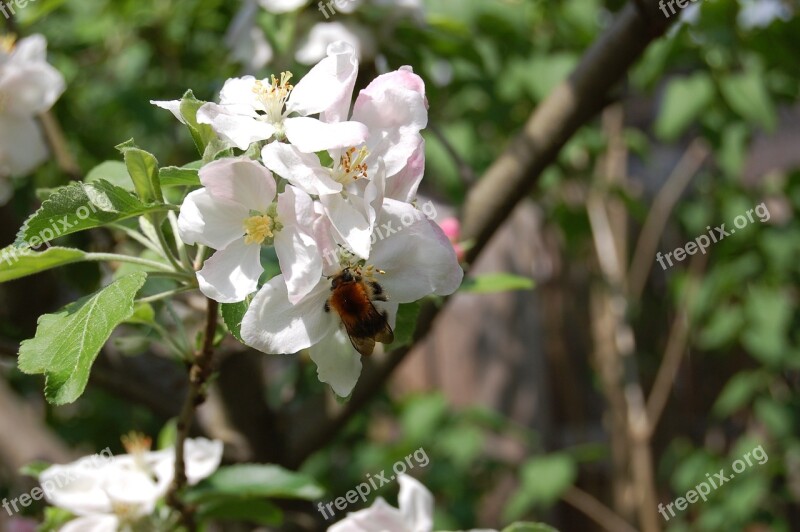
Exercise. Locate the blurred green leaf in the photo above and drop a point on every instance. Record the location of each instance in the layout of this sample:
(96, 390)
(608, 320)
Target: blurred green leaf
(496, 282)
(251, 511)
(748, 96)
(179, 176)
(529, 527)
(232, 315)
(253, 481)
(684, 99)
(738, 392)
(543, 480)
(115, 172)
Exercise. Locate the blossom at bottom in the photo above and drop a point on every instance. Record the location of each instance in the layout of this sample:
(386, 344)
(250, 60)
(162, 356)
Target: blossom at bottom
(123, 490)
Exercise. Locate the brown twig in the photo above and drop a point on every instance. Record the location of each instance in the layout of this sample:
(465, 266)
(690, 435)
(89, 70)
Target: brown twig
(667, 197)
(199, 373)
(58, 144)
(596, 510)
(676, 346)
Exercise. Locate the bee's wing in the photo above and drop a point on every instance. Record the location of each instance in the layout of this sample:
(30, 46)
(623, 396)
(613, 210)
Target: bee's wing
(363, 345)
(365, 332)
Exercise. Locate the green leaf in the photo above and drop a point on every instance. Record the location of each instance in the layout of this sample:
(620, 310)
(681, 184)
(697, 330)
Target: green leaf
(684, 100)
(34, 469)
(529, 527)
(78, 207)
(16, 262)
(769, 313)
(54, 519)
(179, 176)
(748, 96)
(406, 324)
(254, 481)
(232, 315)
(543, 481)
(143, 169)
(168, 435)
(202, 134)
(115, 172)
(496, 282)
(252, 511)
(143, 314)
(739, 391)
(67, 342)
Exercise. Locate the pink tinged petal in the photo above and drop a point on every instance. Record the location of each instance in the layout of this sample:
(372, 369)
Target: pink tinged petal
(328, 87)
(92, 523)
(380, 517)
(326, 243)
(22, 146)
(404, 184)
(301, 169)
(298, 255)
(210, 221)
(173, 106)
(273, 325)
(395, 147)
(310, 135)
(239, 180)
(202, 457)
(416, 504)
(338, 363)
(394, 108)
(231, 274)
(416, 255)
(233, 125)
(349, 223)
(404, 77)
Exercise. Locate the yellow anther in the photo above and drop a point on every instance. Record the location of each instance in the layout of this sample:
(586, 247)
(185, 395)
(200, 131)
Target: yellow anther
(257, 229)
(136, 443)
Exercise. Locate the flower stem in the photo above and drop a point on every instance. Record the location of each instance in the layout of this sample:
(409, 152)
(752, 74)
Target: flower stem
(132, 260)
(199, 374)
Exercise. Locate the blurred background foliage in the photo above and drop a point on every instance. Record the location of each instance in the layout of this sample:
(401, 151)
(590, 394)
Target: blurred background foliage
(488, 64)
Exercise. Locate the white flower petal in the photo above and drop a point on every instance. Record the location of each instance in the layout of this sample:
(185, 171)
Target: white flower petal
(416, 255)
(22, 146)
(31, 49)
(240, 180)
(301, 169)
(416, 504)
(92, 523)
(135, 490)
(403, 185)
(328, 87)
(173, 106)
(210, 221)
(380, 517)
(282, 6)
(391, 107)
(203, 457)
(76, 487)
(239, 94)
(231, 274)
(234, 126)
(273, 325)
(338, 363)
(350, 223)
(310, 135)
(30, 89)
(298, 255)
(314, 47)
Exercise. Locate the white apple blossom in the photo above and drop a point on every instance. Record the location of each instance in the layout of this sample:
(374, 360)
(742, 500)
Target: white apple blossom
(123, 490)
(414, 515)
(389, 163)
(234, 213)
(413, 260)
(246, 40)
(29, 86)
(252, 110)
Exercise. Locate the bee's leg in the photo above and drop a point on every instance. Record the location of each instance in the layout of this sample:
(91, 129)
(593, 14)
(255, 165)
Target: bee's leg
(327, 306)
(377, 292)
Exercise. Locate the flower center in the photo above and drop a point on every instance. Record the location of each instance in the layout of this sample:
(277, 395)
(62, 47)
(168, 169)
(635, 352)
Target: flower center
(273, 96)
(351, 166)
(258, 228)
(7, 43)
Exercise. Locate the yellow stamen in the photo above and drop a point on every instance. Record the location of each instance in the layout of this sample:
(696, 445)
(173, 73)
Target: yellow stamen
(136, 443)
(257, 229)
(273, 96)
(351, 166)
(7, 43)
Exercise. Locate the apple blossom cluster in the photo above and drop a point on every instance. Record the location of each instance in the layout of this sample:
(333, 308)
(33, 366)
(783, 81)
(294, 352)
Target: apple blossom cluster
(329, 187)
(29, 86)
(123, 492)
